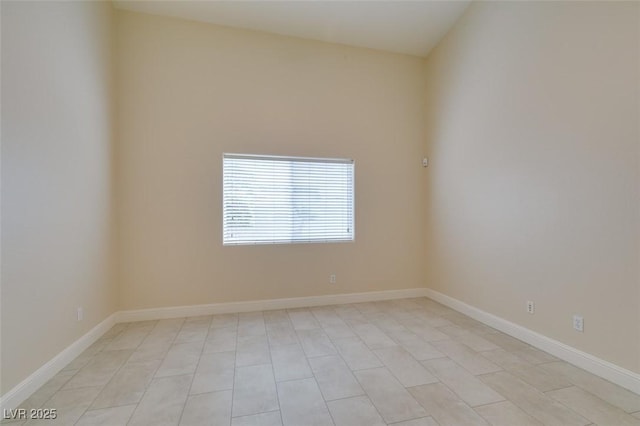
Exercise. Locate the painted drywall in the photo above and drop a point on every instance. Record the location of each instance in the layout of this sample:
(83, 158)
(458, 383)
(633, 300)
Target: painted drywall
(188, 92)
(56, 179)
(532, 119)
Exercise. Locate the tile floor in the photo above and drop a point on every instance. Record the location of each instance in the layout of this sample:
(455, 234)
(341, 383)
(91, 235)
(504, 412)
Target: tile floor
(410, 362)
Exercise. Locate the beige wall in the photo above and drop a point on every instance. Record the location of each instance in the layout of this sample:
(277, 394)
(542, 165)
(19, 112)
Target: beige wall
(532, 113)
(56, 179)
(533, 189)
(189, 92)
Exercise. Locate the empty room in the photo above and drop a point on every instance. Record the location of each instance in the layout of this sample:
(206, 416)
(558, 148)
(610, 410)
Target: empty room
(305, 213)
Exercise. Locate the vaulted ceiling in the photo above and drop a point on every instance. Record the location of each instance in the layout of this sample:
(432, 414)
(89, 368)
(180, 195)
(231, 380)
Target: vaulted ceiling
(410, 27)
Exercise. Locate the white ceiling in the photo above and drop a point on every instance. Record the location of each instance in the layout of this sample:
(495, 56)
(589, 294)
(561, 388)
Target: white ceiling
(412, 27)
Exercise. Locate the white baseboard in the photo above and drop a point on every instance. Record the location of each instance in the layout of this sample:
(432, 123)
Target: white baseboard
(595, 365)
(23, 390)
(264, 305)
(13, 398)
(618, 375)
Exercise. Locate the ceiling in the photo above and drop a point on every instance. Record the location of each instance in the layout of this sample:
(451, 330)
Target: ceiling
(410, 27)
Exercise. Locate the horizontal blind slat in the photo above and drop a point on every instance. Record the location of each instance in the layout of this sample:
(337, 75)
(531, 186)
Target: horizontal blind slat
(287, 199)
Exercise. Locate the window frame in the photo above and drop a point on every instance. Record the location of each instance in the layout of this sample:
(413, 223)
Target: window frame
(290, 158)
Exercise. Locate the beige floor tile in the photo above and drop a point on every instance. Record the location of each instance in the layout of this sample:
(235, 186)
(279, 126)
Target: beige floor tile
(356, 411)
(421, 328)
(302, 319)
(128, 385)
(468, 338)
(613, 394)
(165, 330)
(348, 312)
(404, 367)
(207, 409)
(99, 370)
(459, 319)
(405, 304)
(470, 360)
(252, 350)
(241, 362)
(224, 321)
(115, 330)
(532, 401)
(115, 416)
(391, 399)
(418, 348)
(80, 361)
(194, 331)
(70, 405)
(154, 349)
(423, 421)
(535, 356)
(170, 325)
(467, 386)
(206, 319)
(388, 324)
(222, 339)
(264, 419)
(254, 390)
(130, 338)
(142, 324)
(214, 373)
(315, 343)
(505, 413)
(275, 316)
(182, 358)
(434, 320)
(366, 307)
(47, 390)
(163, 402)
(327, 317)
(356, 354)
(289, 363)
(301, 403)
(507, 343)
(334, 377)
(281, 334)
(251, 324)
(537, 377)
(339, 331)
(444, 406)
(592, 407)
(373, 337)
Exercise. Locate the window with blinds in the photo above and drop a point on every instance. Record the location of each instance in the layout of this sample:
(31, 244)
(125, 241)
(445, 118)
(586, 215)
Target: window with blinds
(278, 200)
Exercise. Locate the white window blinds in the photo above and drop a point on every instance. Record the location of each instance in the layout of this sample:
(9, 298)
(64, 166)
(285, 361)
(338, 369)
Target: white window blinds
(269, 199)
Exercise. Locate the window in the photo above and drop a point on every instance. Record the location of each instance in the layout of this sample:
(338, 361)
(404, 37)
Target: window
(275, 200)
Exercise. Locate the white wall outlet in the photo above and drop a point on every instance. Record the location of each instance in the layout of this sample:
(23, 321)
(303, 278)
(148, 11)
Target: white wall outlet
(531, 307)
(578, 323)
(80, 314)
(332, 279)
(425, 162)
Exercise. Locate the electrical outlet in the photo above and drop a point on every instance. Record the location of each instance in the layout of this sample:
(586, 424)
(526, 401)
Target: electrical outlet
(80, 313)
(578, 323)
(531, 307)
(332, 279)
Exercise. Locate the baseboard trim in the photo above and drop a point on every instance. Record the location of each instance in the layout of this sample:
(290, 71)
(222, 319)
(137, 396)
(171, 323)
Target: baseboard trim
(23, 390)
(593, 364)
(605, 369)
(264, 305)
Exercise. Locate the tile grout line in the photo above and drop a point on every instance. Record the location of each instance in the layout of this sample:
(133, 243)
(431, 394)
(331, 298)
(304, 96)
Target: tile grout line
(184, 405)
